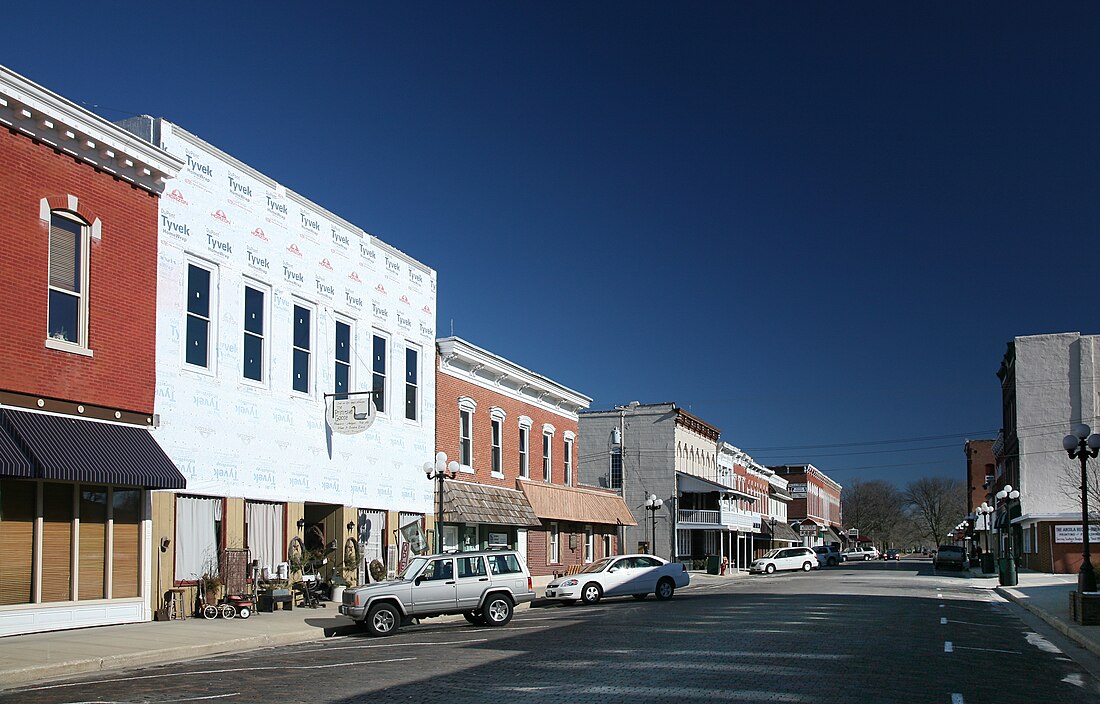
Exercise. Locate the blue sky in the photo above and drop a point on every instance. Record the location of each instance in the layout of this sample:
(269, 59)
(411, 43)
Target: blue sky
(814, 225)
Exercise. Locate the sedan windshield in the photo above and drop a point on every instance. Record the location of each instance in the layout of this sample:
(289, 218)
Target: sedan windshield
(596, 566)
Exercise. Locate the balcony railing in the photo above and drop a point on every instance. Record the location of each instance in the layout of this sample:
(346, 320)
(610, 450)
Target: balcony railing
(688, 515)
(740, 520)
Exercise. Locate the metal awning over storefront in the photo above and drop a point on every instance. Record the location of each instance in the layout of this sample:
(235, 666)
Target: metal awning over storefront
(782, 532)
(464, 502)
(832, 536)
(691, 484)
(565, 503)
(63, 448)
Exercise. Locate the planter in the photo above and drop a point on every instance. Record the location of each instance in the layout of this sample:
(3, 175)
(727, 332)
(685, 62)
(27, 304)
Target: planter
(1085, 608)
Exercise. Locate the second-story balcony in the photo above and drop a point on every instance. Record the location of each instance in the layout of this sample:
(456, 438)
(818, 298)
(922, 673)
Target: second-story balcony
(718, 519)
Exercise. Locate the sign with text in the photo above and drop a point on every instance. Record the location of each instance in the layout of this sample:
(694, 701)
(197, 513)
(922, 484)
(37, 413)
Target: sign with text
(350, 415)
(1072, 534)
(796, 490)
(807, 529)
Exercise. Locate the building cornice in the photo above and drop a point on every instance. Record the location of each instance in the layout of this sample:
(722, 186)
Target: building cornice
(46, 117)
(471, 363)
(697, 425)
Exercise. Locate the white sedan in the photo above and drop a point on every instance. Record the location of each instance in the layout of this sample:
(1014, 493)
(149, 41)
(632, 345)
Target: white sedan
(636, 575)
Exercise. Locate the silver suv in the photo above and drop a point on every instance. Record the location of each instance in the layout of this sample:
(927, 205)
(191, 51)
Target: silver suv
(484, 587)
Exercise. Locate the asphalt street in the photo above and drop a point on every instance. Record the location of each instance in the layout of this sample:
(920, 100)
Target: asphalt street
(865, 632)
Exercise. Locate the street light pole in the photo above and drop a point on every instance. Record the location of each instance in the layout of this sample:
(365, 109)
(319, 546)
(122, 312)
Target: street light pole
(1082, 445)
(653, 504)
(438, 472)
(1008, 571)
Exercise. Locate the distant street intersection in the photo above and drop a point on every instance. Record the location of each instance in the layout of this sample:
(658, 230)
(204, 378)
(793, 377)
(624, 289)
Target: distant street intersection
(858, 633)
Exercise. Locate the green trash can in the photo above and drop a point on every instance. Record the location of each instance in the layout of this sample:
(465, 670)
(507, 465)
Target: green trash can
(712, 564)
(1007, 572)
(987, 563)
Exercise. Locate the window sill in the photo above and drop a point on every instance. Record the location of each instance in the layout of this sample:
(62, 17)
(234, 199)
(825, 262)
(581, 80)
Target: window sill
(465, 469)
(496, 475)
(64, 346)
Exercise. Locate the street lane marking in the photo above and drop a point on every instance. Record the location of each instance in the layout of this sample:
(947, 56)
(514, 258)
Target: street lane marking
(392, 645)
(943, 621)
(948, 647)
(990, 650)
(957, 698)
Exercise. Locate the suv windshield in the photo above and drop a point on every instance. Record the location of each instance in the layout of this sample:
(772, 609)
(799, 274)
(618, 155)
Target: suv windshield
(414, 566)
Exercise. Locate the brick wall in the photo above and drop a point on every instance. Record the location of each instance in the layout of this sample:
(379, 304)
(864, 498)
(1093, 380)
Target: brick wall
(121, 287)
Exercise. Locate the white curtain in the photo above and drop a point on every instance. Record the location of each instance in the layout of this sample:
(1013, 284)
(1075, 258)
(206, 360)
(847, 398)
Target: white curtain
(196, 536)
(265, 532)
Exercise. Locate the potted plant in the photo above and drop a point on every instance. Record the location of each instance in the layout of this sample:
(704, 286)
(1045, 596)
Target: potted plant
(211, 585)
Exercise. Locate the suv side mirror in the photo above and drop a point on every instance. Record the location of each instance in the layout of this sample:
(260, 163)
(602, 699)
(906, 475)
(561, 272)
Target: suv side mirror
(418, 580)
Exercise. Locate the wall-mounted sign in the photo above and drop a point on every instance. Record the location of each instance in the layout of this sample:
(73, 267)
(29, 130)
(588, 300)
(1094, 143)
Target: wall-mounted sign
(350, 415)
(1072, 534)
(797, 490)
(807, 529)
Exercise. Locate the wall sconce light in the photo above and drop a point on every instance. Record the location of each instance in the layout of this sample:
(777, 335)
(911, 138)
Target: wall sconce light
(351, 526)
(301, 524)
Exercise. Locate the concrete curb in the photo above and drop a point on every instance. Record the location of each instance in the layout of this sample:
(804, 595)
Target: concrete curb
(1052, 620)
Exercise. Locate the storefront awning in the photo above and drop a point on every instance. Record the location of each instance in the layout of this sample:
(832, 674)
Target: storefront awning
(832, 536)
(13, 463)
(70, 449)
(776, 494)
(784, 532)
(691, 484)
(480, 503)
(566, 503)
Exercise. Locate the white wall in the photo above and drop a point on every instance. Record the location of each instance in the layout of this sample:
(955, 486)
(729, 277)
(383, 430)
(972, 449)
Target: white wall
(231, 437)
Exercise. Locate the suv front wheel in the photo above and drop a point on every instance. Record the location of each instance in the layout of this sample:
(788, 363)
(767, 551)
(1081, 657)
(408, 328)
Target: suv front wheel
(383, 619)
(498, 610)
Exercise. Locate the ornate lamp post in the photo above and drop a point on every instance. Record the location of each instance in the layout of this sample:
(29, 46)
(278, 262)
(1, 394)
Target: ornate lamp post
(438, 472)
(653, 504)
(1008, 569)
(1082, 445)
(985, 511)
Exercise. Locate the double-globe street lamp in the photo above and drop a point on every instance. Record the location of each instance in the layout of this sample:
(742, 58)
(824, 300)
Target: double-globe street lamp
(438, 472)
(653, 504)
(1082, 445)
(1008, 564)
(986, 511)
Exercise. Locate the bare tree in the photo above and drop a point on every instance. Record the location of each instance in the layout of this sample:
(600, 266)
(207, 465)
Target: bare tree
(937, 504)
(876, 508)
(1070, 483)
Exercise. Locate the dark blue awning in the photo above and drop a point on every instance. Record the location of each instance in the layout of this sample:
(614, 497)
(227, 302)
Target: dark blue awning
(13, 463)
(70, 449)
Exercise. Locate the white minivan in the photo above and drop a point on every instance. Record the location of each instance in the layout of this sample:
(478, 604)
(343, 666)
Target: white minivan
(799, 558)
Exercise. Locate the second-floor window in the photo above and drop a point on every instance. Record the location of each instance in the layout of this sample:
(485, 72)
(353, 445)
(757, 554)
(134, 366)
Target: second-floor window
(67, 320)
(547, 441)
(465, 438)
(378, 367)
(254, 333)
(412, 383)
(197, 336)
(616, 478)
(303, 326)
(343, 357)
(498, 460)
(524, 433)
(568, 457)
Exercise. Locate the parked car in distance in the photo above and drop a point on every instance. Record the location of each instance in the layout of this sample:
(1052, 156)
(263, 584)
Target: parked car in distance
(949, 556)
(484, 587)
(803, 559)
(636, 575)
(861, 553)
(828, 555)
(892, 554)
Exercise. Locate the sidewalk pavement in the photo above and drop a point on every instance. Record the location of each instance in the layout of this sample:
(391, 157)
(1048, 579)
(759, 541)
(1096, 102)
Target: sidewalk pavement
(1046, 596)
(38, 657)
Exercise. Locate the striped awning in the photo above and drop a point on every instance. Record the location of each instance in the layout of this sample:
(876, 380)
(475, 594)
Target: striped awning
(13, 463)
(71, 449)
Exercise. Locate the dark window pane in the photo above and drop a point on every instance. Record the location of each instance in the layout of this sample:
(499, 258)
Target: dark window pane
(379, 393)
(253, 357)
(301, 327)
(343, 342)
(64, 316)
(253, 311)
(341, 378)
(198, 334)
(301, 371)
(65, 239)
(410, 402)
(411, 364)
(379, 355)
(198, 290)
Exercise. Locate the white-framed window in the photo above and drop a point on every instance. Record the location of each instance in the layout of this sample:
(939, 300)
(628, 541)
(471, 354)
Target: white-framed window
(342, 354)
(524, 447)
(412, 383)
(198, 338)
(255, 332)
(302, 348)
(379, 358)
(553, 549)
(615, 479)
(498, 460)
(466, 408)
(589, 544)
(547, 445)
(67, 317)
(567, 456)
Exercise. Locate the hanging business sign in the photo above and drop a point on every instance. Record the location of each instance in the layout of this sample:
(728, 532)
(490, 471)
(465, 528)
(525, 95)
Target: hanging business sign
(1072, 534)
(807, 529)
(350, 413)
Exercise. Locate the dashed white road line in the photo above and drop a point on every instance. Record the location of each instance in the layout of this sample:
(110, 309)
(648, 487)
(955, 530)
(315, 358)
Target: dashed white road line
(948, 647)
(957, 698)
(943, 621)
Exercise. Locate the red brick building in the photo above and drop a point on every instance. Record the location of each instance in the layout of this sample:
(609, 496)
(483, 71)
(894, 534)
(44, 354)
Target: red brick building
(815, 509)
(78, 217)
(513, 434)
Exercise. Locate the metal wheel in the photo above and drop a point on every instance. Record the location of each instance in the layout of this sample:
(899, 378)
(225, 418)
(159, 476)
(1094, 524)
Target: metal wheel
(228, 611)
(770, 569)
(209, 611)
(498, 610)
(591, 594)
(383, 620)
(244, 612)
(806, 567)
(665, 589)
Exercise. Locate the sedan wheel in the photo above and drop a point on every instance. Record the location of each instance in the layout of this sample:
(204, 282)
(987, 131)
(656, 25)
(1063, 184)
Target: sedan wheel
(831, 562)
(665, 589)
(383, 620)
(591, 593)
(770, 569)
